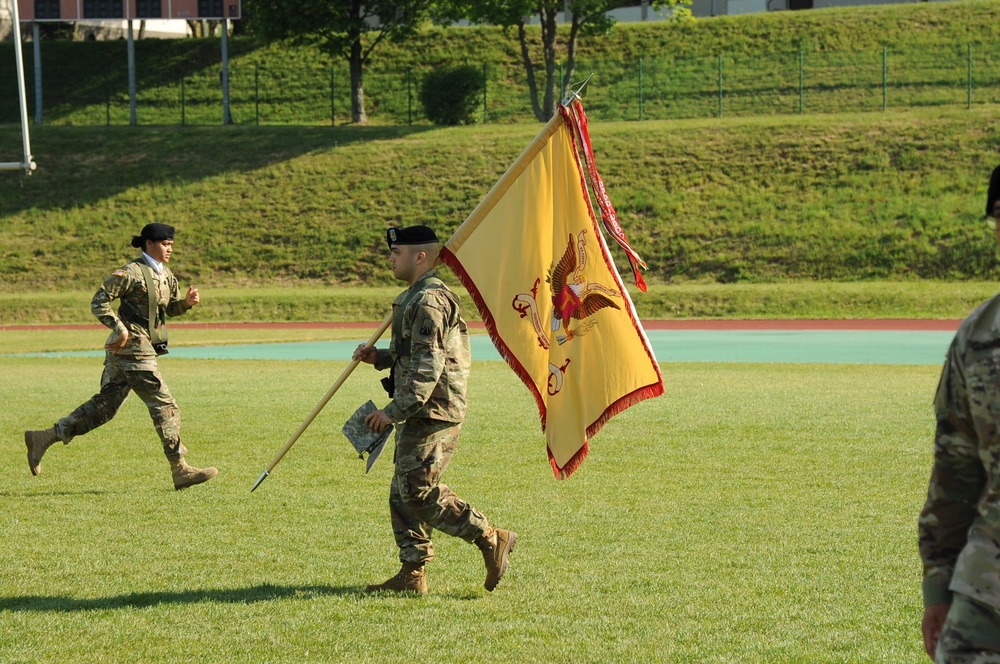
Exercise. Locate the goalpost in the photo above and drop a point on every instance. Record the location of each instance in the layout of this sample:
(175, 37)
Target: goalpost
(27, 164)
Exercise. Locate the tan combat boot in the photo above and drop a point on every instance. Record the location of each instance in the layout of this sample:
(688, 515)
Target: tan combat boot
(409, 579)
(185, 475)
(496, 545)
(38, 442)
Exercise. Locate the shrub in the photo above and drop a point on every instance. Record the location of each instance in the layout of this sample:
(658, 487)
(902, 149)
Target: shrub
(450, 95)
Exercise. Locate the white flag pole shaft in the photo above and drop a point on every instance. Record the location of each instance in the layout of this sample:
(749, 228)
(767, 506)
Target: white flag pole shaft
(336, 386)
(28, 164)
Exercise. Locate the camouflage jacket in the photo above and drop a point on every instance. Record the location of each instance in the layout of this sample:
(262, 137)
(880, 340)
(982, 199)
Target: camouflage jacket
(430, 381)
(128, 285)
(959, 526)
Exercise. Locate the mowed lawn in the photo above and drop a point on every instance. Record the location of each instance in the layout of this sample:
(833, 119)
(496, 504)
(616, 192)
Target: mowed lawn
(755, 513)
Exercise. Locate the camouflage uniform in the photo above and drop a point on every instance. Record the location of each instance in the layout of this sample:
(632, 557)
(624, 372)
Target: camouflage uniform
(134, 367)
(428, 406)
(959, 526)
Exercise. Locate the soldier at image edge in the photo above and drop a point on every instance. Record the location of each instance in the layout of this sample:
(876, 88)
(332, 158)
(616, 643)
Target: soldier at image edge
(148, 292)
(429, 359)
(959, 527)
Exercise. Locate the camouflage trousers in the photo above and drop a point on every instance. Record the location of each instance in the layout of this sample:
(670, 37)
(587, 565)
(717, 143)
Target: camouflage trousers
(971, 633)
(121, 376)
(418, 501)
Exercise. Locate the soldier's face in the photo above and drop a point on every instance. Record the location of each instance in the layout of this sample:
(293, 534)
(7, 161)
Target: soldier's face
(160, 250)
(403, 260)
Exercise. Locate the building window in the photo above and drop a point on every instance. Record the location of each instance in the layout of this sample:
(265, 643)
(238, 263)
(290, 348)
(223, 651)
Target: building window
(148, 9)
(103, 9)
(46, 9)
(211, 8)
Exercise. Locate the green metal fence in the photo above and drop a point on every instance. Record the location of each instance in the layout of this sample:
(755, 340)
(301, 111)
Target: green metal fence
(649, 88)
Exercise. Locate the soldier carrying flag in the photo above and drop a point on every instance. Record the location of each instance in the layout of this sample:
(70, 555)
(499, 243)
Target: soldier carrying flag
(429, 360)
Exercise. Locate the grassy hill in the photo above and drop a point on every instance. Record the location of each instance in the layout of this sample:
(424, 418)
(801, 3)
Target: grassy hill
(852, 197)
(830, 197)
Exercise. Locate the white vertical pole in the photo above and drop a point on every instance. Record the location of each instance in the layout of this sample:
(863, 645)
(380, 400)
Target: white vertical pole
(131, 76)
(28, 163)
(36, 44)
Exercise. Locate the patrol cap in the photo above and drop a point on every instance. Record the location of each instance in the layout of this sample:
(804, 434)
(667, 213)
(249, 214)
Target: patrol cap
(994, 192)
(153, 233)
(410, 235)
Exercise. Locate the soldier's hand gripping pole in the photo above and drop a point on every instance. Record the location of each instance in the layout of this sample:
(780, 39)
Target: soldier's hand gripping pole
(336, 386)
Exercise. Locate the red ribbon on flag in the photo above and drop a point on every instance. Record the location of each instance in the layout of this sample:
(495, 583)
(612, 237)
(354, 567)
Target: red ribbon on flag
(574, 116)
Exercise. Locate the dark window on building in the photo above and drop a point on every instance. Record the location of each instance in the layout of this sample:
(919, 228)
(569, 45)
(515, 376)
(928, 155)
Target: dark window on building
(103, 9)
(46, 9)
(800, 4)
(211, 8)
(148, 9)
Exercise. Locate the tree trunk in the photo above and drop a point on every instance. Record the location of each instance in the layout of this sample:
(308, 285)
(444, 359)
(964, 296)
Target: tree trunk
(548, 20)
(574, 33)
(357, 84)
(529, 70)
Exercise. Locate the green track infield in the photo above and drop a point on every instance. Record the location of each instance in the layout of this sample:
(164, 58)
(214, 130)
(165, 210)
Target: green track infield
(798, 346)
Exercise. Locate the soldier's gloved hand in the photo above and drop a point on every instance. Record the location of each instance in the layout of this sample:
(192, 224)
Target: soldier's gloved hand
(116, 341)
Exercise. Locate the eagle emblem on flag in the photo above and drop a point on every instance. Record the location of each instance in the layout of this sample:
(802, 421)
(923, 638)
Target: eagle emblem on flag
(573, 297)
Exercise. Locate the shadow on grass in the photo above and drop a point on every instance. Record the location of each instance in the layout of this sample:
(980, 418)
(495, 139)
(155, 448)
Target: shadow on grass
(81, 166)
(260, 593)
(49, 494)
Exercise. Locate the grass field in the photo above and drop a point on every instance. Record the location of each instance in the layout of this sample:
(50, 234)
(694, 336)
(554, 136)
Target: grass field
(831, 300)
(755, 513)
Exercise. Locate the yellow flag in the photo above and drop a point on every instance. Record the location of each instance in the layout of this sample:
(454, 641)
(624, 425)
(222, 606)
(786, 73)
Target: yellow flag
(533, 256)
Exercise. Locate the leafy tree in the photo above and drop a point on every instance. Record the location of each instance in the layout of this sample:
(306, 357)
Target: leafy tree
(587, 18)
(349, 29)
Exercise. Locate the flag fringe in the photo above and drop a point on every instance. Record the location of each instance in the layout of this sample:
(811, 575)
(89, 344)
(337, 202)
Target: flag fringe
(627, 401)
(570, 466)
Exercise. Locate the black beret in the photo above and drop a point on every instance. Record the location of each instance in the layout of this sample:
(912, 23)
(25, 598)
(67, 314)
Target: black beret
(994, 192)
(410, 235)
(153, 233)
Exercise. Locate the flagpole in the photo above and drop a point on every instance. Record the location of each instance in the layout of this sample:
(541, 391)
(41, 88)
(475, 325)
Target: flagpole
(459, 237)
(336, 386)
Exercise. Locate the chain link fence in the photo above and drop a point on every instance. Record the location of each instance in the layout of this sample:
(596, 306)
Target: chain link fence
(649, 88)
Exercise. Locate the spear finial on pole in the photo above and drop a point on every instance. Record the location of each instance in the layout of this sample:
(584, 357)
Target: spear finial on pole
(577, 92)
